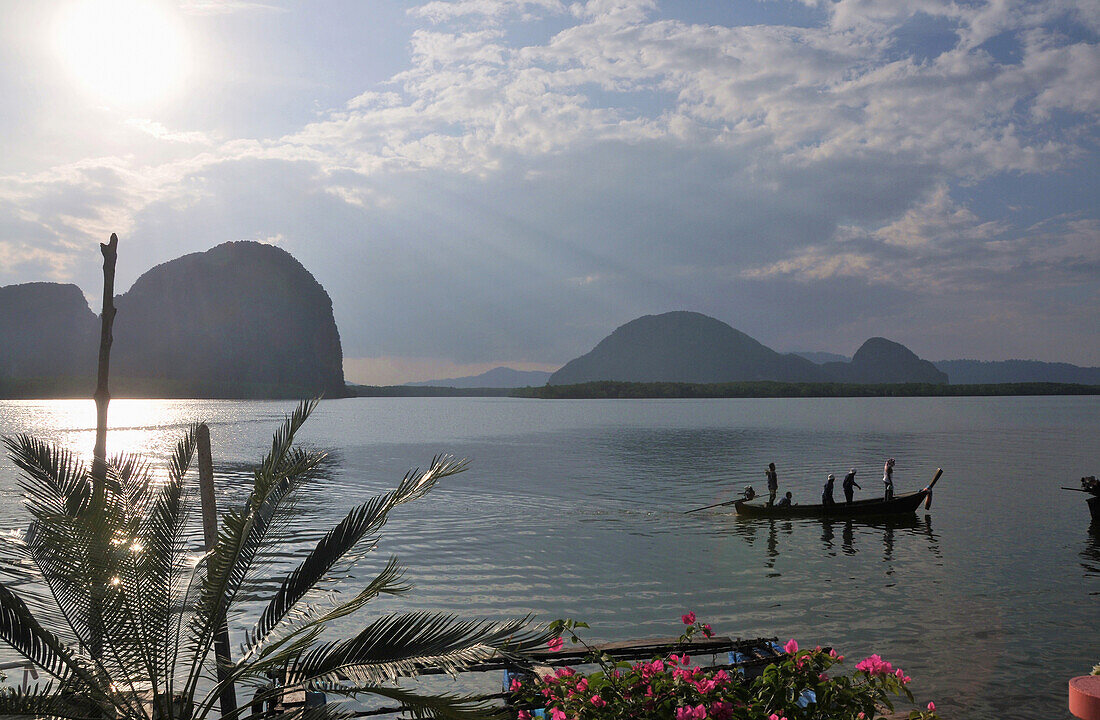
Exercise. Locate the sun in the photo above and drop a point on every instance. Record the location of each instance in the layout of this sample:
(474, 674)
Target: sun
(128, 53)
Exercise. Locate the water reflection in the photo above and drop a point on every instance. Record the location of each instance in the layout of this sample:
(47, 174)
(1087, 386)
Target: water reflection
(883, 535)
(1090, 554)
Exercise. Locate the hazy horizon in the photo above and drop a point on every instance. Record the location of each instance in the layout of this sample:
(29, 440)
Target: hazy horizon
(483, 183)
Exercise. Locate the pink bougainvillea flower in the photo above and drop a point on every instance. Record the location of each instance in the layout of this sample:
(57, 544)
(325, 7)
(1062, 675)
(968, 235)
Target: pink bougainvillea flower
(832, 654)
(932, 706)
(707, 631)
(721, 711)
(791, 647)
(555, 644)
(523, 715)
(689, 618)
(598, 701)
(823, 677)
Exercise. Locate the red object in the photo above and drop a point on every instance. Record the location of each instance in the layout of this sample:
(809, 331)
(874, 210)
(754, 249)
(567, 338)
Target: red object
(1084, 697)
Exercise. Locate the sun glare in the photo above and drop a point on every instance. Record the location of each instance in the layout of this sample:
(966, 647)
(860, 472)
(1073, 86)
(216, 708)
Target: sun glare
(126, 52)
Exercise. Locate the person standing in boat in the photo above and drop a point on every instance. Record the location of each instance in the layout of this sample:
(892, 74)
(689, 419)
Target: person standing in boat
(827, 493)
(888, 479)
(773, 483)
(848, 484)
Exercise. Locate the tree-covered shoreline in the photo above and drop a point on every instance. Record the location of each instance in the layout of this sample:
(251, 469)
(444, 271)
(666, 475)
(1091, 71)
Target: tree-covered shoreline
(767, 389)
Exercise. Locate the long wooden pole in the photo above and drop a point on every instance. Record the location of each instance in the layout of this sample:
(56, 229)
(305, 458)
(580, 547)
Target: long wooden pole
(102, 396)
(222, 652)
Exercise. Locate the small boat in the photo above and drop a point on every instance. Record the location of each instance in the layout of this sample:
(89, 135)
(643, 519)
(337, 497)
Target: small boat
(900, 504)
(1091, 486)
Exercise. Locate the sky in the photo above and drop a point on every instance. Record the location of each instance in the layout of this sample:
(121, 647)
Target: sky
(504, 182)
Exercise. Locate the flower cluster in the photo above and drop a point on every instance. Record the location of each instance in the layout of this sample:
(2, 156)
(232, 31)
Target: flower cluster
(876, 666)
(798, 686)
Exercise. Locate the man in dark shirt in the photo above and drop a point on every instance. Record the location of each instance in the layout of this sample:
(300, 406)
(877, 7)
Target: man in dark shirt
(849, 483)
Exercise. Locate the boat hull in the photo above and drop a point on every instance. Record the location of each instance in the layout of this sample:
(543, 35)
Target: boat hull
(901, 504)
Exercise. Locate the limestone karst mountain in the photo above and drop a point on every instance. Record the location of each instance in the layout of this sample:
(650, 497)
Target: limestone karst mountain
(243, 319)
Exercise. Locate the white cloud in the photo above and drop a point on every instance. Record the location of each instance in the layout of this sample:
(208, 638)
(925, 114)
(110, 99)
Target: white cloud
(440, 11)
(160, 132)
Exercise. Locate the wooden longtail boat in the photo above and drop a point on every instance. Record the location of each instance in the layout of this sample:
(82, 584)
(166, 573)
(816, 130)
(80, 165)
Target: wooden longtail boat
(904, 503)
(1090, 485)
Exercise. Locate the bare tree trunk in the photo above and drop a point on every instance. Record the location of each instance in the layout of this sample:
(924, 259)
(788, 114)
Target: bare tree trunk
(98, 555)
(210, 534)
(102, 394)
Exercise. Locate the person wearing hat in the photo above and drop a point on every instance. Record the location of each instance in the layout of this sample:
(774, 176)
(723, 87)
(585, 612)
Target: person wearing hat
(888, 478)
(827, 493)
(849, 483)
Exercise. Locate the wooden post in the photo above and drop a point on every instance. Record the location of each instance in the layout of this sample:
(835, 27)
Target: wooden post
(97, 555)
(222, 654)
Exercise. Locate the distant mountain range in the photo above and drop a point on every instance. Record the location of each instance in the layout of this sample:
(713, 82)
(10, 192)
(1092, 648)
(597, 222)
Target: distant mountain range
(243, 319)
(246, 319)
(499, 377)
(689, 347)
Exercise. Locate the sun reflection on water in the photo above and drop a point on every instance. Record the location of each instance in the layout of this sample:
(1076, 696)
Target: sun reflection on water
(149, 428)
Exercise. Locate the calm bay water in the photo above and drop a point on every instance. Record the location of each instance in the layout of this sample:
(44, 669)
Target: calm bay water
(575, 509)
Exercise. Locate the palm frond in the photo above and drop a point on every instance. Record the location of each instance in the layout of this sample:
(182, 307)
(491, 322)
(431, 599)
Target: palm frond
(54, 480)
(400, 645)
(416, 484)
(20, 630)
(387, 581)
(329, 550)
(46, 700)
(283, 438)
(443, 706)
(159, 568)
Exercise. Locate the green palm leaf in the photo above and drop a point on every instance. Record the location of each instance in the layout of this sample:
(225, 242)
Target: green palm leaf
(443, 706)
(400, 645)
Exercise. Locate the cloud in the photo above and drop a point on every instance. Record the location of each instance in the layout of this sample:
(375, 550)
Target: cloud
(226, 7)
(160, 132)
(440, 11)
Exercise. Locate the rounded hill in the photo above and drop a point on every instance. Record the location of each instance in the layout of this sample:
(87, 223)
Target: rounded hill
(687, 347)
